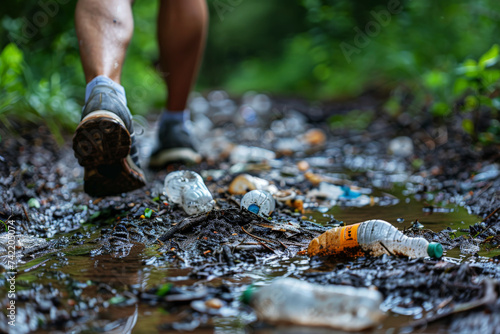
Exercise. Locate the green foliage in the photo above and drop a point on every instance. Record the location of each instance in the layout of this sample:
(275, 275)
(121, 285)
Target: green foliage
(163, 289)
(11, 86)
(354, 119)
(477, 84)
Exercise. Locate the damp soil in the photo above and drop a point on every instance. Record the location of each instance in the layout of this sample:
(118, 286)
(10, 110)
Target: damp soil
(137, 263)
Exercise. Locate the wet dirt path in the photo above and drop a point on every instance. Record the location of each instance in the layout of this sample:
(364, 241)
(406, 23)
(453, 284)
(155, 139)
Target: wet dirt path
(88, 265)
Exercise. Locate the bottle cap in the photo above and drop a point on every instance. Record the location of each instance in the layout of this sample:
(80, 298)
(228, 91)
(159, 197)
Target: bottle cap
(246, 296)
(435, 250)
(254, 208)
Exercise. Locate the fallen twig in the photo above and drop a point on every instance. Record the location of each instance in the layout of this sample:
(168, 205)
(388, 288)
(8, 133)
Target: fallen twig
(491, 214)
(266, 246)
(256, 237)
(26, 214)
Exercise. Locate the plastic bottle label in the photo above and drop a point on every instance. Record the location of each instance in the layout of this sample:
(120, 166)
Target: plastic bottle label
(349, 236)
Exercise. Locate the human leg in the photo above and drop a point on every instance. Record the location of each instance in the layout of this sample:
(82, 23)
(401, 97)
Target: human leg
(182, 29)
(104, 141)
(104, 30)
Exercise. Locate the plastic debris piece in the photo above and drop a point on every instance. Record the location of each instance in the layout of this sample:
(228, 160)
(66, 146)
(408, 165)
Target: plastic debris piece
(188, 189)
(244, 183)
(303, 165)
(417, 225)
(284, 195)
(259, 202)
(401, 146)
(243, 153)
(487, 173)
(314, 137)
(288, 146)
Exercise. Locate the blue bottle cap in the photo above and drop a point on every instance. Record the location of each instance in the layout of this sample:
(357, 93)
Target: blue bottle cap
(254, 208)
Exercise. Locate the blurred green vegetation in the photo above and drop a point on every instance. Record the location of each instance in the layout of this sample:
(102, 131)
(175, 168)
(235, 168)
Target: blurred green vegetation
(433, 57)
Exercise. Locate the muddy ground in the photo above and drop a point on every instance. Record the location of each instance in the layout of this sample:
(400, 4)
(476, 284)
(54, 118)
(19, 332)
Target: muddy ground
(137, 263)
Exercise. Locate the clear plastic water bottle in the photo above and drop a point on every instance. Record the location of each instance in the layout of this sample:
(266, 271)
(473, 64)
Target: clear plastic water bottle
(188, 189)
(373, 237)
(288, 300)
(259, 202)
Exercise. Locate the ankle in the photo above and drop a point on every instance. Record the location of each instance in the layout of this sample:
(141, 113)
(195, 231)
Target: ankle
(104, 80)
(181, 116)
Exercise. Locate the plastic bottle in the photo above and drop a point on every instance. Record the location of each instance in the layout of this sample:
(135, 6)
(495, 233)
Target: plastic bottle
(188, 189)
(288, 300)
(373, 237)
(259, 202)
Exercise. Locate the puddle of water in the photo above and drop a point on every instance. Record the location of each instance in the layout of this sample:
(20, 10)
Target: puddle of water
(402, 214)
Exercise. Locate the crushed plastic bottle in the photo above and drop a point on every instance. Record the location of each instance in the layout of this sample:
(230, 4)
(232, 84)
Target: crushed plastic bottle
(188, 189)
(259, 202)
(373, 237)
(291, 301)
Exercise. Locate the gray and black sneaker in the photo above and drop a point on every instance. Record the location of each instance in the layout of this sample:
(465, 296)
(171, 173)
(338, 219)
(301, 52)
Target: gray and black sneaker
(173, 144)
(104, 144)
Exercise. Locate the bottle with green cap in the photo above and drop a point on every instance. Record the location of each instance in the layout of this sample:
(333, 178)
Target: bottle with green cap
(374, 238)
(292, 301)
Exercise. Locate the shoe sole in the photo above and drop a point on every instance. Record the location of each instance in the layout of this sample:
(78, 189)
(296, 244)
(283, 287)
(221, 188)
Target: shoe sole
(102, 146)
(181, 154)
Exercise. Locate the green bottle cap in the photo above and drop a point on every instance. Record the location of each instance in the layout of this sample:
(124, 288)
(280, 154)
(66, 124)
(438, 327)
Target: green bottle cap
(246, 296)
(435, 250)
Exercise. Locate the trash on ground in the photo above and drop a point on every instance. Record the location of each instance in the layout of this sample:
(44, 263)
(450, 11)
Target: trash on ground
(291, 301)
(313, 137)
(316, 179)
(244, 183)
(243, 153)
(284, 195)
(401, 146)
(188, 189)
(259, 202)
(296, 203)
(348, 195)
(373, 237)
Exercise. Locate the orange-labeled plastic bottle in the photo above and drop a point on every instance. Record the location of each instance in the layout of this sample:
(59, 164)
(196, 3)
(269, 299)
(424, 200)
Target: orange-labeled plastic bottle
(374, 238)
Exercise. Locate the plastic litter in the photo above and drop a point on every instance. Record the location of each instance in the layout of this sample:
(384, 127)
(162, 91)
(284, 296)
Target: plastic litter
(188, 189)
(291, 301)
(313, 137)
(341, 193)
(244, 183)
(373, 237)
(487, 173)
(243, 153)
(401, 146)
(259, 202)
